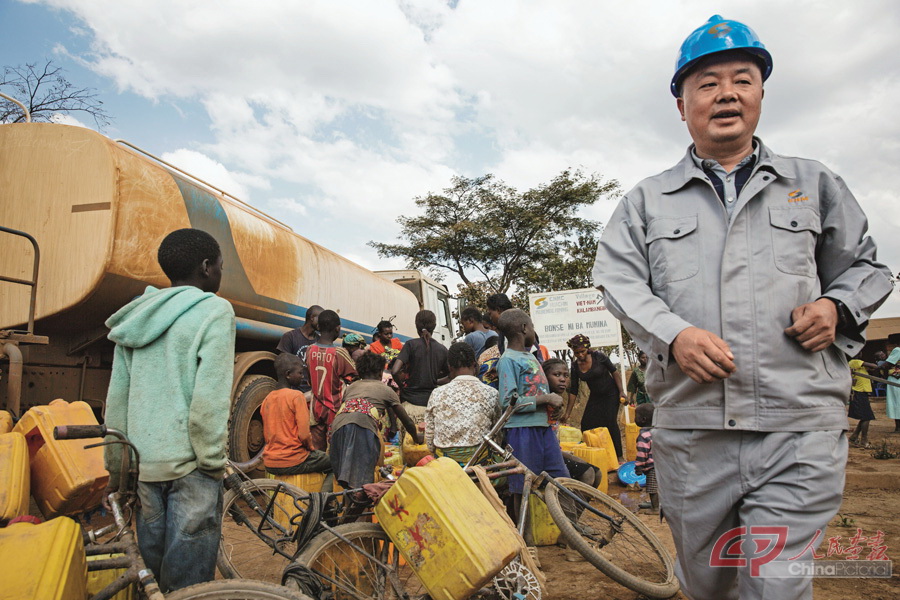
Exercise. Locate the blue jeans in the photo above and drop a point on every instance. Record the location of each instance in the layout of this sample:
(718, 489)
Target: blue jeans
(178, 527)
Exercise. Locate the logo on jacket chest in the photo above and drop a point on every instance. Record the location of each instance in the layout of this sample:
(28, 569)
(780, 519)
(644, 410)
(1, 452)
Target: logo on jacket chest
(797, 196)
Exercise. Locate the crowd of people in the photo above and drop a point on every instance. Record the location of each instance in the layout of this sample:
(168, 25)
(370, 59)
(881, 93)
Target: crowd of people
(360, 394)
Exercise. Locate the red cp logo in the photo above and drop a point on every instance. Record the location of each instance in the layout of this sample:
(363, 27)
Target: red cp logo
(728, 550)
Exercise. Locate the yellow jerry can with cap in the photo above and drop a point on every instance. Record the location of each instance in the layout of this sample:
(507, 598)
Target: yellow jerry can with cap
(447, 531)
(15, 478)
(43, 562)
(599, 438)
(540, 529)
(631, 435)
(6, 421)
(66, 478)
(97, 580)
(597, 457)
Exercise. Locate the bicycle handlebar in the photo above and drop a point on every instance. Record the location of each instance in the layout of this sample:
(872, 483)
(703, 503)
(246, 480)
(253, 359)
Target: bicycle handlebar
(79, 432)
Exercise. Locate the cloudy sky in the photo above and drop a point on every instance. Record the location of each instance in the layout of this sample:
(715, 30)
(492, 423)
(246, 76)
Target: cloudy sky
(333, 115)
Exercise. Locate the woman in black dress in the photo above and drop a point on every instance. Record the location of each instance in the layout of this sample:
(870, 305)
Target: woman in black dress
(599, 373)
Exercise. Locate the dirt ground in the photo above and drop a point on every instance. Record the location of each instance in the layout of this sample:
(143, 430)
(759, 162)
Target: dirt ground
(871, 503)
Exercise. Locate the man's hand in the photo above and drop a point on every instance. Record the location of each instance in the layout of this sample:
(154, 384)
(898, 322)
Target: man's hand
(702, 355)
(814, 324)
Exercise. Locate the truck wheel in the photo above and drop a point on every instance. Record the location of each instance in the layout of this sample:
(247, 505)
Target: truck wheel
(245, 430)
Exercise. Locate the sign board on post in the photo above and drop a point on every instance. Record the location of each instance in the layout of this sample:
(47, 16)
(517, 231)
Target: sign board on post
(557, 316)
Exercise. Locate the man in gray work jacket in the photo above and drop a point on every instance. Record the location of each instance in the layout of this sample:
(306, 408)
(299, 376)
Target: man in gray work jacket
(748, 279)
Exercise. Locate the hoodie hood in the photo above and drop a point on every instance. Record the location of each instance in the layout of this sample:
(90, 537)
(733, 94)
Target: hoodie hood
(144, 319)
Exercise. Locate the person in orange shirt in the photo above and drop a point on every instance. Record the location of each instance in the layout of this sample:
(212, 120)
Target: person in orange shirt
(285, 416)
(383, 339)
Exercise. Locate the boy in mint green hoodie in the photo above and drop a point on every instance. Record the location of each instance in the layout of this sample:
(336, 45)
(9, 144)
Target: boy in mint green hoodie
(170, 392)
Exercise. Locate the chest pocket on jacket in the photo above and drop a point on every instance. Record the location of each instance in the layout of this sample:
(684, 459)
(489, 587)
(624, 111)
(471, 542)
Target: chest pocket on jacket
(794, 234)
(673, 249)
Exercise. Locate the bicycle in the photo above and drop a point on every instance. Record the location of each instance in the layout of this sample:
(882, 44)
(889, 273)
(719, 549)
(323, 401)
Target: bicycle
(603, 531)
(321, 556)
(123, 547)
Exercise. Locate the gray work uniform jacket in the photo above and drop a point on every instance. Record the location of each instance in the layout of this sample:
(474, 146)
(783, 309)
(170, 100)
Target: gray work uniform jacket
(670, 258)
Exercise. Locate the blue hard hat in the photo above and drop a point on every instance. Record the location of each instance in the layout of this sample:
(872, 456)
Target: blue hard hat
(718, 35)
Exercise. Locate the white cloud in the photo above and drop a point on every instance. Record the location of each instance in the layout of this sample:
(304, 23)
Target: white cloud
(290, 204)
(67, 120)
(210, 171)
(349, 110)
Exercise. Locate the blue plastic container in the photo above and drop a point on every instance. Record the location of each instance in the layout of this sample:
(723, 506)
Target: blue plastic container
(627, 476)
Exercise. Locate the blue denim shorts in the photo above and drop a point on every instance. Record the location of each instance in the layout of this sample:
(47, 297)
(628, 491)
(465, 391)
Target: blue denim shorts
(538, 449)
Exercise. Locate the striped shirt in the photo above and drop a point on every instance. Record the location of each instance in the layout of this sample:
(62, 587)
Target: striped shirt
(644, 460)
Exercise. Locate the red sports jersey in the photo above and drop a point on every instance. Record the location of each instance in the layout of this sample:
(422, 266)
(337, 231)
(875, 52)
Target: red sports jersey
(329, 368)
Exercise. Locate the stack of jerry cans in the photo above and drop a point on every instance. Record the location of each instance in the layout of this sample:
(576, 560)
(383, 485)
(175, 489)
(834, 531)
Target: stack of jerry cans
(43, 562)
(15, 479)
(599, 438)
(446, 530)
(65, 477)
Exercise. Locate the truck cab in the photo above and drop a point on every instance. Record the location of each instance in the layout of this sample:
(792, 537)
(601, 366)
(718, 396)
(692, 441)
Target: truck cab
(431, 295)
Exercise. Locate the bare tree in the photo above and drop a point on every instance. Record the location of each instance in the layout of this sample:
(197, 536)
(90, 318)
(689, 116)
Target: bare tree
(46, 92)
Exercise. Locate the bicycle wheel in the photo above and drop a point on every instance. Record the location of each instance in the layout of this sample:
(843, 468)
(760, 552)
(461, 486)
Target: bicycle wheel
(628, 552)
(345, 573)
(242, 553)
(239, 589)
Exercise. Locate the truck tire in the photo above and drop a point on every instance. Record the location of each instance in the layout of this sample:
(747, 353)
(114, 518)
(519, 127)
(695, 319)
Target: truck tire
(245, 429)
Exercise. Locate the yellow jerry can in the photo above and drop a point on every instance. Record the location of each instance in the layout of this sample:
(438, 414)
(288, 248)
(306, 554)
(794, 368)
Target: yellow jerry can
(569, 434)
(6, 421)
(540, 529)
(65, 477)
(15, 478)
(97, 580)
(446, 529)
(412, 452)
(568, 446)
(597, 457)
(631, 435)
(599, 438)
(308, 482)
(43, 562)
(285, 507)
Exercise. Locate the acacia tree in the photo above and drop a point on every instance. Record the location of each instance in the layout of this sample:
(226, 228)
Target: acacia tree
(46, 92)
(493, 236)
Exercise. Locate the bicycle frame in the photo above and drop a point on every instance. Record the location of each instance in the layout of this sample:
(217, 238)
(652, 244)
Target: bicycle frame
(124, 541)
(533, 482)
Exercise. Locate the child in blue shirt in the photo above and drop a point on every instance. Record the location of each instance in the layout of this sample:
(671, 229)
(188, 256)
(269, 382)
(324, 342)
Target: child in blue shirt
(527, 431)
